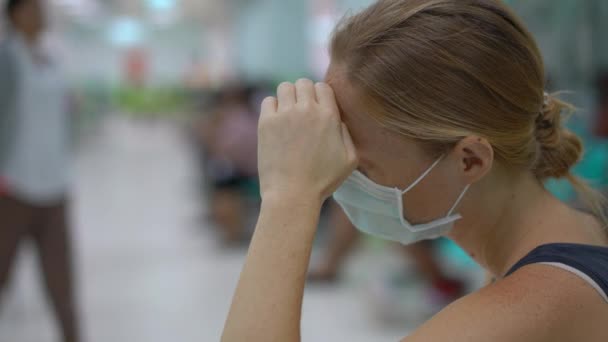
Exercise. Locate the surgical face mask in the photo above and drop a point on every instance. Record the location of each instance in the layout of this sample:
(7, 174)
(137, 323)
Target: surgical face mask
(378, 210)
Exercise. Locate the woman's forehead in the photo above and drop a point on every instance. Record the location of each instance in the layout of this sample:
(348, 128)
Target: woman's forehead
(361, 125)
(367, 133)
(349, 101)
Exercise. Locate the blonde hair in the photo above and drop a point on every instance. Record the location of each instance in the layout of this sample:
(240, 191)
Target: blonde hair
(440, 70)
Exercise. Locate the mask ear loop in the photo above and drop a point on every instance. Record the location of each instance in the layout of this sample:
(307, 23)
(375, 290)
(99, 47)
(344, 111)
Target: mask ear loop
(422, 176)
(459, 199)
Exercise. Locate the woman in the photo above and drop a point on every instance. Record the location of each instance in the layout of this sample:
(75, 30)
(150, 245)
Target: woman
(34, 159)
(452, 135)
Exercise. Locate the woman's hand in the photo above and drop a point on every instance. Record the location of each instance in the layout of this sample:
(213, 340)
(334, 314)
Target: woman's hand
(303, 149)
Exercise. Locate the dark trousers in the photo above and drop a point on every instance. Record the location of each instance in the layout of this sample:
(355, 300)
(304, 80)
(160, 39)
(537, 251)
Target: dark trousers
(47, 227)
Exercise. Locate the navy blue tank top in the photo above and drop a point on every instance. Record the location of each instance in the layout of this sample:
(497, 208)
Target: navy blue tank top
(588, 262)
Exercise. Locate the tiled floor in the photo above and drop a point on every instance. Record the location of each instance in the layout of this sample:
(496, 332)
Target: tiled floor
(148, 269)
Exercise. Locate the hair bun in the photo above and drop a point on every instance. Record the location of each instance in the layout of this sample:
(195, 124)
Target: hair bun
(559, 149)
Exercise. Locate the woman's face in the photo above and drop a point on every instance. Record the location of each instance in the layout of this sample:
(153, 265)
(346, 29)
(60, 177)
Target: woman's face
(392, 160)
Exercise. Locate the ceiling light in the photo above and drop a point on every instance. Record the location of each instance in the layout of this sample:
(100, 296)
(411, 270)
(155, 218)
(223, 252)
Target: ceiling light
(161, 5)
(125, 31)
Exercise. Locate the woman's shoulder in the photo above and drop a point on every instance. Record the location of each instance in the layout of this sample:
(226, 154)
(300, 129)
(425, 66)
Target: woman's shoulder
(536, 303)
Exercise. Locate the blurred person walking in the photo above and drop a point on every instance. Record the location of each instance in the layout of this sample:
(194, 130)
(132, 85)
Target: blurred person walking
(34, 159)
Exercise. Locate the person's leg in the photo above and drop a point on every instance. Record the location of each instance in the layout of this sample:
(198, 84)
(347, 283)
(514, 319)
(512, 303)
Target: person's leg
(425, 261)
(343, 239)
(228, 211)
(14, 220)
(53, 241)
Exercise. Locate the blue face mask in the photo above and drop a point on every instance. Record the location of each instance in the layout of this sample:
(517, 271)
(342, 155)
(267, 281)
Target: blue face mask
(378, 210)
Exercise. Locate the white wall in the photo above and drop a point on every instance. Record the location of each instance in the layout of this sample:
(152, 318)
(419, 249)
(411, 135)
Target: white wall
(271, 39)
(87, 54)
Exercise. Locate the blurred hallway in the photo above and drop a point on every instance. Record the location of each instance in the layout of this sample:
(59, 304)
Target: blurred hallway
(147, 271)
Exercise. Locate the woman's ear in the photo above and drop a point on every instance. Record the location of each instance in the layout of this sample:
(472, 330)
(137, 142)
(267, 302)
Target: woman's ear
(475, 156)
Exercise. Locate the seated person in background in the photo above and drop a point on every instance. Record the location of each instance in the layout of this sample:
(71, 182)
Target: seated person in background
(229, 137)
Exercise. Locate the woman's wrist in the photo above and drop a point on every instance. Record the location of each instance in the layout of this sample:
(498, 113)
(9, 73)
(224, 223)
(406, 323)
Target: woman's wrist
(293, 199)
(292, 208)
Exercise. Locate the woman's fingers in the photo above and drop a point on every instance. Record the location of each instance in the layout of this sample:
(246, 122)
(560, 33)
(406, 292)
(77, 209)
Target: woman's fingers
(269, 105)
(305, 91)
(326, 97)
(286, 95)
(351, 152)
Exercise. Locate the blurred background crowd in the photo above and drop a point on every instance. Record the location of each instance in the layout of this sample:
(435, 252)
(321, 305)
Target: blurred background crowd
(128, 186)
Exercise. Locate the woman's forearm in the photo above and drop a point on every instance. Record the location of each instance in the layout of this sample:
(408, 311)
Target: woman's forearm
(268, 300)
(304, 153)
